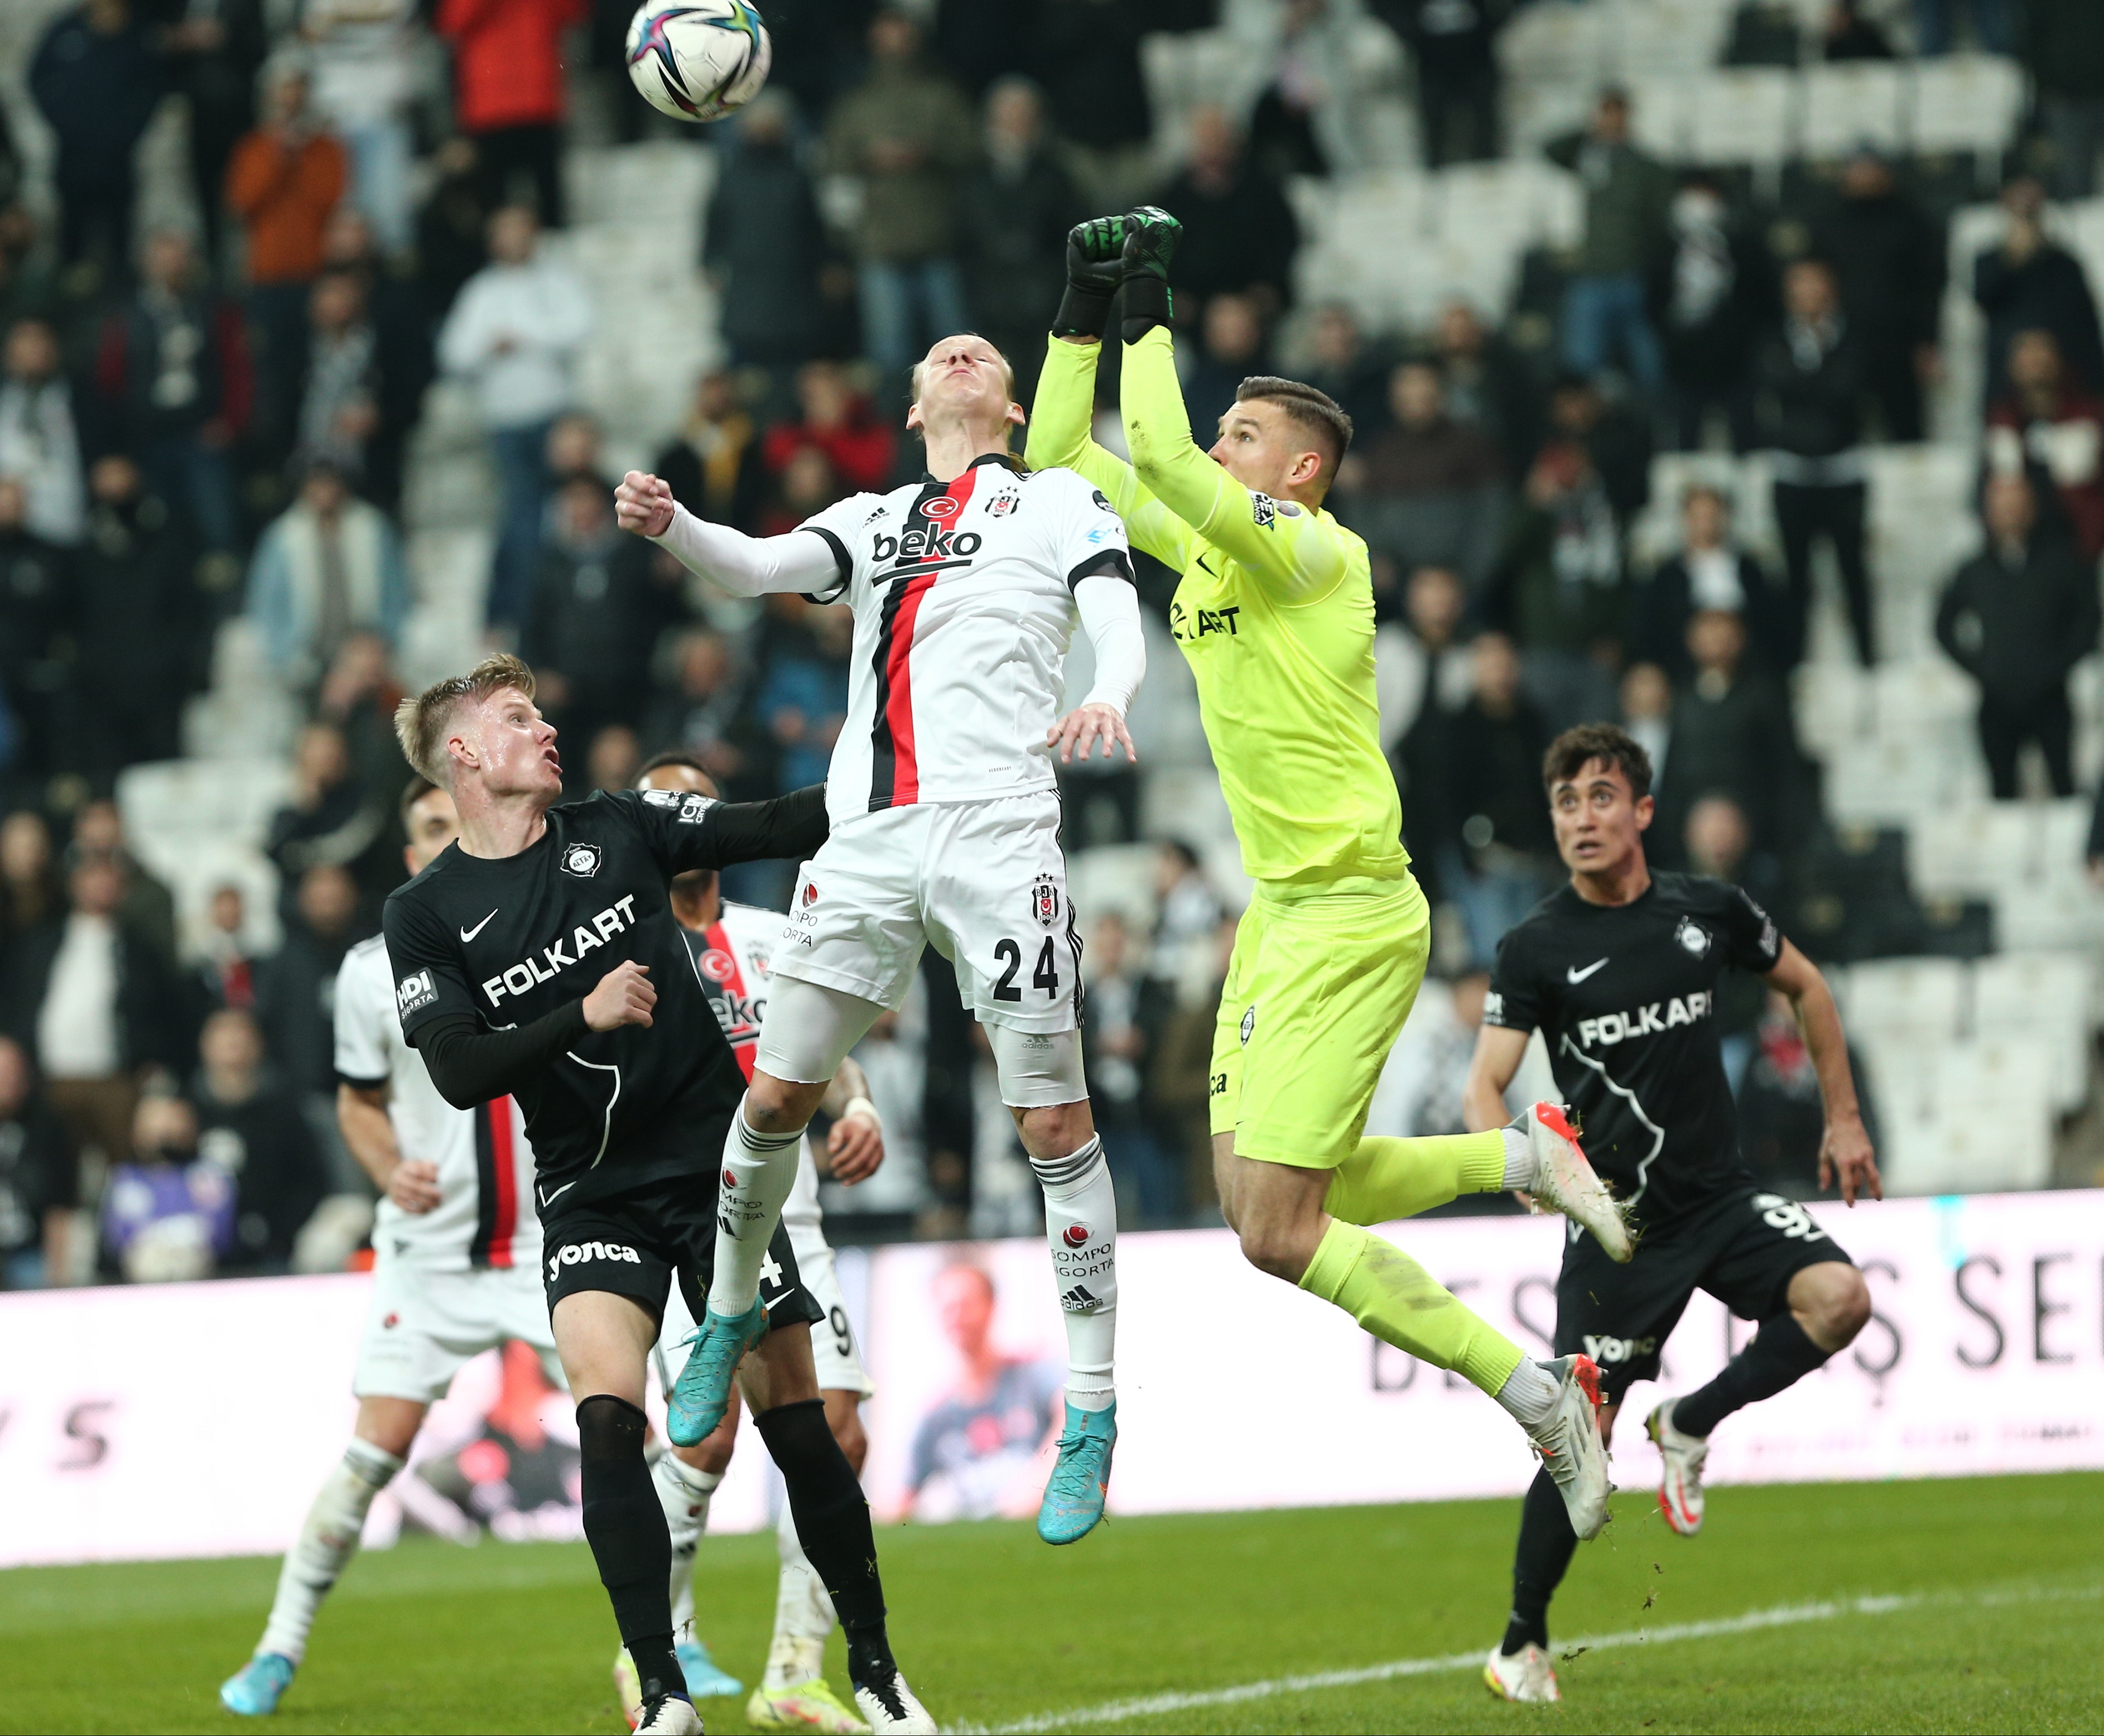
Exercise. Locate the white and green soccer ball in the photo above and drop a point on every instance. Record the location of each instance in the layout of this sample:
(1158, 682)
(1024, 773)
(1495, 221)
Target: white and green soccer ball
(699, 59)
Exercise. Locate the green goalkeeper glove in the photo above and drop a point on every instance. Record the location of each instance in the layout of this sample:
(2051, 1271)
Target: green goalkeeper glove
(1151, 235)
(1094, 265)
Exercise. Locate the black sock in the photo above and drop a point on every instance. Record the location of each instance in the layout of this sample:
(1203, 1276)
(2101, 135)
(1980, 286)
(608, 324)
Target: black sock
(832, 1522)
(1780, 1355)
(1546, 1542)
(625, 1527)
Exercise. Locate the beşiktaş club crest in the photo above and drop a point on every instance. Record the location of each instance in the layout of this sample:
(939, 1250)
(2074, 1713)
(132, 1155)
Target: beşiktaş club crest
(1693, 936)
(1044, 901)
(1002, 505)
(579, 859)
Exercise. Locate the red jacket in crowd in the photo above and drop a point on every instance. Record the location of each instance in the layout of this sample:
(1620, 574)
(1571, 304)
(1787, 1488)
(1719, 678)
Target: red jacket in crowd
(2067, 445)
(508, 59)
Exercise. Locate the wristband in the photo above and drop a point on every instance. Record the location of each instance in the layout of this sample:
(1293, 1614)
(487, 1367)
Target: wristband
(1083, 313)
(861, 1106)
(1147, 305)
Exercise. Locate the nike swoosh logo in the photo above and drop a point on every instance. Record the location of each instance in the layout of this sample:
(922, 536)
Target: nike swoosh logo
(469, 934)
(1573, 975)
(548, 1199)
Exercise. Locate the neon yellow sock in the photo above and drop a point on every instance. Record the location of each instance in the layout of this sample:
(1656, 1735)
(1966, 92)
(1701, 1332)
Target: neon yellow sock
(1386, 1179)
(1396, 1299)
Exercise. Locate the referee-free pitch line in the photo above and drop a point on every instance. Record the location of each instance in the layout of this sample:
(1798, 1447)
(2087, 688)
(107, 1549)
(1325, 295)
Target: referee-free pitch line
(1753, 1620)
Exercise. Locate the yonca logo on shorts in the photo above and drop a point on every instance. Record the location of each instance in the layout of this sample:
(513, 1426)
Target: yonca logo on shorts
(577, 1252)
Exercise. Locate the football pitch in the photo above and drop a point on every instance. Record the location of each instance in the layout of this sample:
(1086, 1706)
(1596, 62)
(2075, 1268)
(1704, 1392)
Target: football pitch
(1961, 1605)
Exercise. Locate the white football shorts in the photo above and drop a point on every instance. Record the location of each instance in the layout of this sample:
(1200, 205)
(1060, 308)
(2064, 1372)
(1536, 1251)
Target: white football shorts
(985, 882)
(422, 1325)
(834, 1350)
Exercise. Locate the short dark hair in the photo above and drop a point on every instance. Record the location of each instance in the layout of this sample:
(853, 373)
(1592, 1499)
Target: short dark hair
(413, 792)
(1576, 748)
(1311, 411)
(675, 756)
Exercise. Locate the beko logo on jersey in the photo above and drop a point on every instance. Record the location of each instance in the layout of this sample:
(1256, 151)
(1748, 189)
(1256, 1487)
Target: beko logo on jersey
(577, 1252)
(1610, 1028)
(522, 977)
(924, 543)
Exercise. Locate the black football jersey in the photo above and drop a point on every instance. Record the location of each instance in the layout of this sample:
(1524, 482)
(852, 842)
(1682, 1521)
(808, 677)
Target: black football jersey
(508, 940)
(1625, 997)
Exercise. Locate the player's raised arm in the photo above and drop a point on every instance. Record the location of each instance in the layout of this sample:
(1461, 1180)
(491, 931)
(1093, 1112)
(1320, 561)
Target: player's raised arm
(686, 832)
(808, 559)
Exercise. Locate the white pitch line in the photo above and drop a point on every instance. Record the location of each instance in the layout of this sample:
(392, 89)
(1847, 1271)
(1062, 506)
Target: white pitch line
(1786, 1615)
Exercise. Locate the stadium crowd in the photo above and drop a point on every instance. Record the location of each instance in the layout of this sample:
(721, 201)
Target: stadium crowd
(214, 422)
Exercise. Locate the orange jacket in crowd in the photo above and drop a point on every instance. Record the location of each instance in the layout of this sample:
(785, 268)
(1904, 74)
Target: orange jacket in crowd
(283, 197)
(508, 59)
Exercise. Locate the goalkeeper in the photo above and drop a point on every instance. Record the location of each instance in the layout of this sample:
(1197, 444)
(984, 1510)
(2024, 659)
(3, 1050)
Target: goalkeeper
(1275, 614)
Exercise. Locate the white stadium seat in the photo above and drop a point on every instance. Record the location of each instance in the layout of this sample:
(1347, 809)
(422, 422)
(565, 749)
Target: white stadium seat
(1744, 114)
(1851, 104)
(1968, 102)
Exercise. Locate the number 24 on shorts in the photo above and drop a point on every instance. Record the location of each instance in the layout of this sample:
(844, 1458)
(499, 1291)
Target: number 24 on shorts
(1045, 976)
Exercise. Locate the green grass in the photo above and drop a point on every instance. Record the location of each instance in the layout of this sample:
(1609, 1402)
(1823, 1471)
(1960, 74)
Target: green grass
(2005, 1575)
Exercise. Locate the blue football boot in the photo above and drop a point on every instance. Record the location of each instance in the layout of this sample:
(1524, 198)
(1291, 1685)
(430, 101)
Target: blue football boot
(698, 1399)
(254, 1690)
(1073, 1504)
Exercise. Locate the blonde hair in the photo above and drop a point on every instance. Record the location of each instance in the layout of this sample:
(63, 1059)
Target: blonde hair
(420, 723)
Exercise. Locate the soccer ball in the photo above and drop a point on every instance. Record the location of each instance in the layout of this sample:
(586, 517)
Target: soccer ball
(699, 59)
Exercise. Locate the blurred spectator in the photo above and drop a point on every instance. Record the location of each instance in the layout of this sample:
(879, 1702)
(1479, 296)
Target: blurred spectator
(1933, 18)
(1423, 675)
(1087, 54)
(1337, 362)
(1453, 45)
(295, 988)
(1710, 297)
(2062, 46)
(1710, 571)
(836, 421)
(147, 907)
(1615, 436)
(2018, 618)
(2053, 429)
(1239, 232)
(174, 371)
(31, 890)
(227, 968)
(168, 1217)
(1018, 204)
(706, 715)
(1230, 350)
(1499, 855)
(26, 287)
(714, 465)
(357, 696)
(1488, 385)
(612, 761)
(1732, 737)
(40, 434)
(596, 613)
(509, 95)
(1846, 34)
(217, 52)
(332, 822)
(1646, 699)
(1325, 64)
(515, 332)
(807, 484)
(329, 566)
(360, 394)
(397, 303)
(1808, 383)
(1889, 260)
(764, 245)
(35, 645)
(453, 226)
(2031, 283)
(1627, 197)
(97, 78)
(1114, 1044)
(39, 1179)
(1430, 491)
(907, 135)
(1187, 914)
(90, 999)
(364, 58)
(1419, 1094)
(574, 452)
(252, 1130)
(139, 624)
(283, 181)
(1559, 588)
(802, 697)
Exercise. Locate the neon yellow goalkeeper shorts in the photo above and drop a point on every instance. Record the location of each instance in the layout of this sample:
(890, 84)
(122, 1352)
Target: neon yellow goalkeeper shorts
(1321, 979)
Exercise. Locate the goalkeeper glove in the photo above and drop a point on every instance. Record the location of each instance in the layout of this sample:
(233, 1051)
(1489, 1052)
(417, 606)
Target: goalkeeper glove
(1151, 235)
(1095, 263)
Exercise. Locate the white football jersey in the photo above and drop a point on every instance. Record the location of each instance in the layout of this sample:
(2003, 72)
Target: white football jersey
(484, 1216)
(963, 595)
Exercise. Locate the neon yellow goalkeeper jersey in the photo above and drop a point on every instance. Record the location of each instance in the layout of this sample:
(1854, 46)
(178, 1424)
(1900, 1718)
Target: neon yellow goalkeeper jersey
(1275, 614)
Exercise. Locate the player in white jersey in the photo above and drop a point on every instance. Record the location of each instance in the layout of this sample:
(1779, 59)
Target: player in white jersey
(732, 947)
(945, 828)
(457, 1254)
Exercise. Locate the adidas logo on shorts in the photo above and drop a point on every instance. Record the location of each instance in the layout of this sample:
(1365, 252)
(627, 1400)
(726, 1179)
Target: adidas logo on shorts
(577, 1252)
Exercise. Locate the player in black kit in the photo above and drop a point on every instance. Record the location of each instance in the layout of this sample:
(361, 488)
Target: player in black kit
(538, 956)
(1618, 971)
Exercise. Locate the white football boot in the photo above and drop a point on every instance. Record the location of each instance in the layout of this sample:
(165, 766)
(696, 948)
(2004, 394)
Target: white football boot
(1565, 1182)
(1525, 1676)
(1680, 1476)
(1569, 1444)
(892, 1708)
(670, 1715)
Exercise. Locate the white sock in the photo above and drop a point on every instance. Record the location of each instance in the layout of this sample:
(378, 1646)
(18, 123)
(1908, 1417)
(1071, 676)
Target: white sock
(1521, 1170)
(1529, 1395)
(758, 1170)
(1080, 1225)
(683, 1493)
(327, 1542)
(803, 1614)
